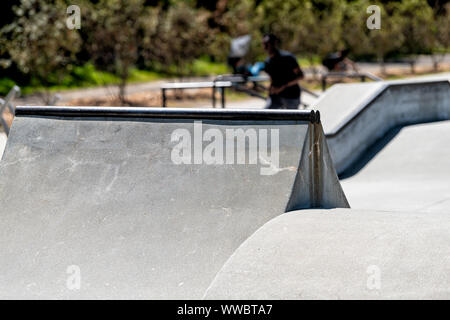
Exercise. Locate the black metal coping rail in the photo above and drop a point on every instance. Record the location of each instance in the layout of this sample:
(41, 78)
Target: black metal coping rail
(170, 113)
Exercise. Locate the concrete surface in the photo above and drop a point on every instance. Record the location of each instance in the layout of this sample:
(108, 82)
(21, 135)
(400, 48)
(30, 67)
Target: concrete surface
(341, 254)
(408, 170)
(331, 254)
(104, 195)
(355, 116)
(140, 226)
(403, 172)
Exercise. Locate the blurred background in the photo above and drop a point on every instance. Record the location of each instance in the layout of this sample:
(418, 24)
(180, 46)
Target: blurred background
(128, 47)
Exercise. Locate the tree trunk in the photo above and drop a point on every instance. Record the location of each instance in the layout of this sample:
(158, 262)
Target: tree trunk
(435, 60)
(46, 97)
(382, 65)
(122, 90)
(313, 68)
(412, 64)
(122, 87)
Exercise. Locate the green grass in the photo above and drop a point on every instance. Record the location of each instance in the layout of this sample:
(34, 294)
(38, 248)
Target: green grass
(5, 85)
(88, 76)
(79, 77)
(305, 62)
(137, 75)
(202, 67)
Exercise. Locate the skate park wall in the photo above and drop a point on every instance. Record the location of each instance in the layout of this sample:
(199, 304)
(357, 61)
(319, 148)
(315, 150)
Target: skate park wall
(136, 201)
(355, 116)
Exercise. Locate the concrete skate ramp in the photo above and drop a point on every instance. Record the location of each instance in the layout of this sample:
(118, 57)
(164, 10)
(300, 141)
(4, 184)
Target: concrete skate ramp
(97, 190)
(341, 254)
(355, 116)
(409, 169)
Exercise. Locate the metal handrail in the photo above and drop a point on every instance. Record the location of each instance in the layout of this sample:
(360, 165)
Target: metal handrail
(170, 113)
(343, 74)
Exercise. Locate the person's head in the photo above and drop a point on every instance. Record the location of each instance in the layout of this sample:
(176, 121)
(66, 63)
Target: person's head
(344, 53)
(270, 43)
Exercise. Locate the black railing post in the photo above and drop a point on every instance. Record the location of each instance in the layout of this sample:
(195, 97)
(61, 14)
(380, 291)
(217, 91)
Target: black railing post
(163, 93)
(222, 91)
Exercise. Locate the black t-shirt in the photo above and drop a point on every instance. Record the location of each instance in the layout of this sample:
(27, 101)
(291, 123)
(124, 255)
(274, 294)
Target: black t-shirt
(281, 70)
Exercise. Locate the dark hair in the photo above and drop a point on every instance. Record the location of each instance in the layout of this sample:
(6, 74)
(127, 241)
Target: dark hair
(345, 52)
(272, 39)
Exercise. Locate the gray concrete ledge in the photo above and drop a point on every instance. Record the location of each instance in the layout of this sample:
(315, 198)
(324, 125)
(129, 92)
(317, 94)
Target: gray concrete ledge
(106, 195)
(357, 115)
(341, 254)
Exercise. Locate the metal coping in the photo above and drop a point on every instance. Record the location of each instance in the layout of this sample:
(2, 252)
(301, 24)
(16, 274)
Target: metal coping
(170, 113)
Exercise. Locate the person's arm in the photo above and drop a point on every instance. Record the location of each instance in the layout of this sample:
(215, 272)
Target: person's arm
(352, 64)
(300, 75)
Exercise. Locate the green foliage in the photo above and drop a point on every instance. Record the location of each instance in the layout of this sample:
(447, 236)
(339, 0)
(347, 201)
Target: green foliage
(38, 41)
(179, 38)
(115, 35)
(176, 37)
(377, 42)
(416, 20)
(88, 76)
(6, 84)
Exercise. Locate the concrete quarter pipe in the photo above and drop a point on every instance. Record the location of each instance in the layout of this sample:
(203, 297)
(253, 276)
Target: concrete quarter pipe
(399, 252)
(148, 203)
(355, 116)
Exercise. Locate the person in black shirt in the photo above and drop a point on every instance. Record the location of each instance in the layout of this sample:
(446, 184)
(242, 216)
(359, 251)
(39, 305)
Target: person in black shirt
(284, 72)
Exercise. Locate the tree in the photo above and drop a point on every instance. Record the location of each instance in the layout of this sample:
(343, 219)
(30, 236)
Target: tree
(176, 37)
(39, 42)
(415, 18)
(114, 36)
(364, 41)
(440, 36)
(281, 18)
(236, 18)
(321, 28)
(302, 27)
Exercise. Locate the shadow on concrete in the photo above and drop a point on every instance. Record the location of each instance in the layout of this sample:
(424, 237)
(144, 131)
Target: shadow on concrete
(370, 153)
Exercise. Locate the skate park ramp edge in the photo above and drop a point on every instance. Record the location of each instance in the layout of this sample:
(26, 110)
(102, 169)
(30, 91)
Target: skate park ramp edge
(355, 116)
(408, 170)
(124, 198)
(341, 254)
